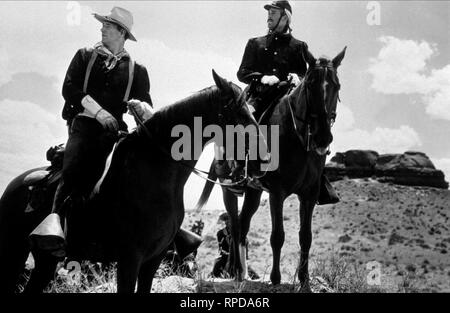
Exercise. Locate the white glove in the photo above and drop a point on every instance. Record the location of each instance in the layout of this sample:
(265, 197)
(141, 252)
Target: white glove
(270, 80)
(295, 80)
(101, 115)
(251, 108)
(143, 109)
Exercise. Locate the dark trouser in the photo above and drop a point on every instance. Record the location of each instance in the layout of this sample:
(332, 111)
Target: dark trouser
(219, 266)
(86, 151)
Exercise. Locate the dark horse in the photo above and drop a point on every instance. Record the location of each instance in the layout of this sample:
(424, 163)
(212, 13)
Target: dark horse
(139, 208)
(305, 117)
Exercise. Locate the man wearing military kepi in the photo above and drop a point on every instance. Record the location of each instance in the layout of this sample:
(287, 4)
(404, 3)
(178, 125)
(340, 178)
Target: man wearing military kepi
(274, 58)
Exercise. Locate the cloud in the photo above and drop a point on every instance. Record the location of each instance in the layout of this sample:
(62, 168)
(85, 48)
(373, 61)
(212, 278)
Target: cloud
(40, 45)
(177, 73)
(345, 119)
(35, 88)
(401, 68)
(4, 60)
(382, 140)
(439, 101)
(27, 132)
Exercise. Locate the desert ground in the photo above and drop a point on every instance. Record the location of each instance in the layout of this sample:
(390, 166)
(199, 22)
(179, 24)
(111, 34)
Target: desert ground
(404, 230)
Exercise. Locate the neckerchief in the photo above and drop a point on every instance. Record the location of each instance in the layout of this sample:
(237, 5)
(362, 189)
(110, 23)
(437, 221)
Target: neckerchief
(111, 59)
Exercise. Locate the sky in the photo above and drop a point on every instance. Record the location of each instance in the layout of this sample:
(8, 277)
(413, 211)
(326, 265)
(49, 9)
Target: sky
(395, 77)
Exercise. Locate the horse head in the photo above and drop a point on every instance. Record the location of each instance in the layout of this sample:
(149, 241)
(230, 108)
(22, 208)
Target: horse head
(235, 114)
(321, 94)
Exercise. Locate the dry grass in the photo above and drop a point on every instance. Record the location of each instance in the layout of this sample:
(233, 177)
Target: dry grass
(341, 275)
(346, 237)
(333, 274)
(86, 278)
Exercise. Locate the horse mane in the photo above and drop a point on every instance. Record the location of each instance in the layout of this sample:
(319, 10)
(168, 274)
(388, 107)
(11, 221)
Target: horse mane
(165, 118)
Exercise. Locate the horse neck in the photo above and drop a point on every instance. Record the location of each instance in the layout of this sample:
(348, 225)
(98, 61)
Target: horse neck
(203, 106)
(282, 115)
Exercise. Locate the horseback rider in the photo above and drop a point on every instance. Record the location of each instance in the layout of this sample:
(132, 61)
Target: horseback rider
(269, 60)
(96, 89)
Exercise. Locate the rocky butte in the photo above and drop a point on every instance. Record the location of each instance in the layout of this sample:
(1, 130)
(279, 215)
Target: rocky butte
(410, 168)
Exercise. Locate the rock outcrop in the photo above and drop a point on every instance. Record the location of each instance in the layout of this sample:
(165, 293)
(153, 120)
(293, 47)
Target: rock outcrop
(410, 168)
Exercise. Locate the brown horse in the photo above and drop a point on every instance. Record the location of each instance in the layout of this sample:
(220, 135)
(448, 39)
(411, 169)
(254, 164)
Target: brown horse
(305, 117)
(139, 208)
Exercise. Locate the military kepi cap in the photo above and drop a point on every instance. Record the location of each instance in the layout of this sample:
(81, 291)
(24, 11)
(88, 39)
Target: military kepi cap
(281, 5)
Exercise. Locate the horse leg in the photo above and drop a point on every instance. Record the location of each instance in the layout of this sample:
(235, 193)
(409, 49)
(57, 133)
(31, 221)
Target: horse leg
(305, 239)
(277, 236)
(42, 274)
(146, 274)
(12, 265)
(231, 204)
(128, 267)
(15, 225)
(250, 206)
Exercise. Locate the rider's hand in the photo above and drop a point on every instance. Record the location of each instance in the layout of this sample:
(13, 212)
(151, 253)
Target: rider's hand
(143, 109)
(295, 80)
(107, 120)
(270, 80)
(93, 109)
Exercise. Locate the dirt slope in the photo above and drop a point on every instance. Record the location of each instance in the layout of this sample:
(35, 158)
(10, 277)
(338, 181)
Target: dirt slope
(405, 229)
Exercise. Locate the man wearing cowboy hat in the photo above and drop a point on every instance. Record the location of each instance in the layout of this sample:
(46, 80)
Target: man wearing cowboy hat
(97, 86)
(271, 59)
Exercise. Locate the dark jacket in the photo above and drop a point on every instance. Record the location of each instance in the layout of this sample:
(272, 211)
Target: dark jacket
(107, 88)
(273, 54)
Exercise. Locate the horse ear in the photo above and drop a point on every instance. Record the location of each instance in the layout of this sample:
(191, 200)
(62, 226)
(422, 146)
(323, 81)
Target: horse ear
(338, 59)
(309, 58)
(221, 83)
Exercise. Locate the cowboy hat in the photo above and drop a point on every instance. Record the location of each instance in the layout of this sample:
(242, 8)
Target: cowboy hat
(280, 5)
(121, 17)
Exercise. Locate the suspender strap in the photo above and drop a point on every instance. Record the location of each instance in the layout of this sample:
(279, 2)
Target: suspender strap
(130, 80)
(130, 77)
(88, 70)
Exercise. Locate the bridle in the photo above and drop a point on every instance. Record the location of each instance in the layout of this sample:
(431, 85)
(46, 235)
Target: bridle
(331, 116)
(223, 116)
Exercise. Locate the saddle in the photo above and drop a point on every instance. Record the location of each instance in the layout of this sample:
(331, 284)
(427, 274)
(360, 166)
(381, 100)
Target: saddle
(264, 98)
(42, 183)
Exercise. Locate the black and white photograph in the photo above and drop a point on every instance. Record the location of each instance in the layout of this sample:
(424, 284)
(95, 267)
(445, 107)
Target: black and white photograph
(224, 148)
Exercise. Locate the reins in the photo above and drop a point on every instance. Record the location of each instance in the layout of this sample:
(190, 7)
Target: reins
(308, 126)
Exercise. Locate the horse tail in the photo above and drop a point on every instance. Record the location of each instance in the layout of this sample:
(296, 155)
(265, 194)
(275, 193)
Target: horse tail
(209, 185)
